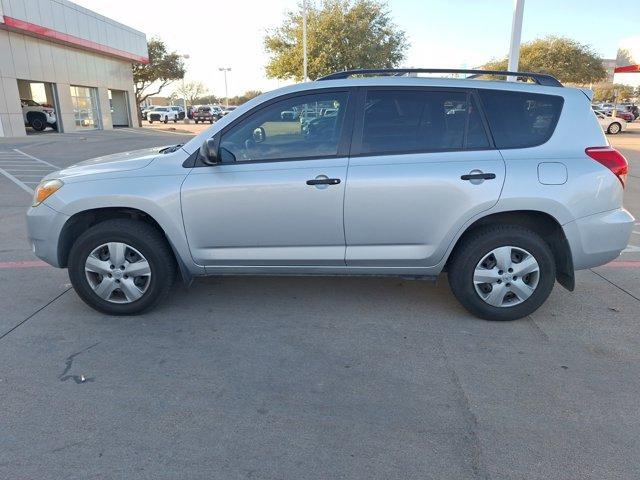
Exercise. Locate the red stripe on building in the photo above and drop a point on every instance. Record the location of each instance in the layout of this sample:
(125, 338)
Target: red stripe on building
(51, 34)
(627, 69)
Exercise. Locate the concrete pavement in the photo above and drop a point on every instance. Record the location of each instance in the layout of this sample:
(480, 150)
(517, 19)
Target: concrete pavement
(312, 378)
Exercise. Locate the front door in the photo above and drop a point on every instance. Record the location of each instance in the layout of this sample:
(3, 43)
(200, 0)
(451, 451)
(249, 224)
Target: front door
(276, 198)
(422, 167)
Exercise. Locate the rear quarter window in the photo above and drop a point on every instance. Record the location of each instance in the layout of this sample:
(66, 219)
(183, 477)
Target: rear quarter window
(521, 119)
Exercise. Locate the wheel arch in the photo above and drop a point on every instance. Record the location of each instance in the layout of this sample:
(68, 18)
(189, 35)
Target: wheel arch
(544, 225)
(85, 219)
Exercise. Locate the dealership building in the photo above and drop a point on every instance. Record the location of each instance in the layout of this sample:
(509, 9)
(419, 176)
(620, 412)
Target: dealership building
(65, 64)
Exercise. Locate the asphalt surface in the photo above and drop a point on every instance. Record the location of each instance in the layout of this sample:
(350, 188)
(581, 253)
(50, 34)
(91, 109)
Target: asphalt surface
(308, 378)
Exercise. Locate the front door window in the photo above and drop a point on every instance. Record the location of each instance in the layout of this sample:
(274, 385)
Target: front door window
(307, 126)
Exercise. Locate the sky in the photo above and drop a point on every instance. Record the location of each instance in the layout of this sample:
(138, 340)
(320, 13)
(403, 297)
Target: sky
(442, 33)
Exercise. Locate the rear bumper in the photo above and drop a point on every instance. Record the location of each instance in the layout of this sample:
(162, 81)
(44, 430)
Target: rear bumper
(598, 239)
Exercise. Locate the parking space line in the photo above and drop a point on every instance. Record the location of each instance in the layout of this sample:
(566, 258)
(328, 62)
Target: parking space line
(37, 159)
(22, 185)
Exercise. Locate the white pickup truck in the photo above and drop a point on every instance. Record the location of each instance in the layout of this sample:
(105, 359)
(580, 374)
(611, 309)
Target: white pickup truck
(162, 114)
(38, 116)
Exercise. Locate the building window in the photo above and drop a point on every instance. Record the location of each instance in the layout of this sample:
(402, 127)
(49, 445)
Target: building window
(85, 107)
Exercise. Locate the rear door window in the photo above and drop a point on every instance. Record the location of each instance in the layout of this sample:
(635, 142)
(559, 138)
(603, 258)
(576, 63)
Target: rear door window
(413, 120)
(520, 119)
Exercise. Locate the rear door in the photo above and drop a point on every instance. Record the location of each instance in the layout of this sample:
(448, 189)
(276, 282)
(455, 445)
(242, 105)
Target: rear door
(422, 165)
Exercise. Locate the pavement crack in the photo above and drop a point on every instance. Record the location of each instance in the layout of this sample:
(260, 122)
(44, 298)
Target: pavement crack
(615, 285)
(34, 314)
(69, 363)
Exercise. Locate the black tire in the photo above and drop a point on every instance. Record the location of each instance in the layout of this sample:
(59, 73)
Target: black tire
(139, 235)
(38, 122)
(614, 128)
(196, 121)
(175, 120)
(150, 121)
(479, 243)
(166, 119)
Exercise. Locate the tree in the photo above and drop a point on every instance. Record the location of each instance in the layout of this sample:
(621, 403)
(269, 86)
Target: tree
(192, 91)
(206, 100)
(163, 68)
(341, 34)
(607, 92)
(565, 59)
(245, 97)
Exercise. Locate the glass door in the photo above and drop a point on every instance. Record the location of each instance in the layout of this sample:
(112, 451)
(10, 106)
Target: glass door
(85, 107)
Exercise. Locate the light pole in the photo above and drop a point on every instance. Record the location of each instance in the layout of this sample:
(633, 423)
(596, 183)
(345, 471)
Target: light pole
(226, 94)
(184, 93)
(516, 35)
(304, 40)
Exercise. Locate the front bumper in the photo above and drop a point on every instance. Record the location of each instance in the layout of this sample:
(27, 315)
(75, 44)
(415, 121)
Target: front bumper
(44, 225)
(597, 239)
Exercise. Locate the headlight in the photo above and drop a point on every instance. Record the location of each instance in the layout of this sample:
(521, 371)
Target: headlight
(45, 189)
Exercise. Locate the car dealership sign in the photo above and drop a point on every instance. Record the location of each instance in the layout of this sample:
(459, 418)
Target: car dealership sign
(627, 69)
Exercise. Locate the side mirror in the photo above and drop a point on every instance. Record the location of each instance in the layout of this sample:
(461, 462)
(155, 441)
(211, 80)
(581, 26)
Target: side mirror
(259, 135)
(209, 151)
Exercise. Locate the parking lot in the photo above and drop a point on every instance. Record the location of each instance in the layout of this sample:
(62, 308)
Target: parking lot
(308, 378)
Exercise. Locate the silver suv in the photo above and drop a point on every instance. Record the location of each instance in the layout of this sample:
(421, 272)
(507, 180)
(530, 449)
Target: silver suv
(507, 186)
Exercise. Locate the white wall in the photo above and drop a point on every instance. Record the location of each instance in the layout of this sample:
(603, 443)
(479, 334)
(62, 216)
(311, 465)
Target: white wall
(28, 58)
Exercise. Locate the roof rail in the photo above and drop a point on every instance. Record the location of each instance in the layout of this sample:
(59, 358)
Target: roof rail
(539, 78)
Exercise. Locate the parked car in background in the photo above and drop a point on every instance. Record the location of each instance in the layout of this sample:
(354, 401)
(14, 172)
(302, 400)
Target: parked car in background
(229, 109)
(624, 114)
(162, 114)
(515, 190)
(631, 108)
(204, 113)
(38, 116)
(218, 112)
(606, 107)
(145, 112)
(179, 110)
(610, 124)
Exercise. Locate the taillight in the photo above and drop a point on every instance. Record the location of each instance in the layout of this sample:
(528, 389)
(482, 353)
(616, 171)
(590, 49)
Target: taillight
(612, 159)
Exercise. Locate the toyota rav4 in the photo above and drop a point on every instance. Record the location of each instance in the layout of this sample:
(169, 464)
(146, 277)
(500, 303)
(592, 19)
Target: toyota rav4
(508, 186)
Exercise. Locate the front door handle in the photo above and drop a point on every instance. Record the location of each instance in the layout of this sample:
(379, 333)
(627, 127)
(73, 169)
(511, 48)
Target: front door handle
(478, 176)
(324, 181)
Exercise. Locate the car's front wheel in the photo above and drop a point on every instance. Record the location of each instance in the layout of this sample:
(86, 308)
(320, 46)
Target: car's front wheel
(504, 272)
(38, 122)
(121, 267)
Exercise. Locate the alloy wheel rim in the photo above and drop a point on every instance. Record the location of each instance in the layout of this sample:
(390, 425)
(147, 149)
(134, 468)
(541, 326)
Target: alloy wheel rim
(117, 272)
(506, 276)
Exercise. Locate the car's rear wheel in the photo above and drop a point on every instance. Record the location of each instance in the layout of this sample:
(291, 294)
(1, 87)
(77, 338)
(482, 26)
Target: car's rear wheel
(503, 272)
(166, 119)
(614, 128)
(121, 267)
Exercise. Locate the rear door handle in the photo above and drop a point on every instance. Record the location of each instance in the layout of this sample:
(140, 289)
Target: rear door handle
(324, 181)
(478, 176)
